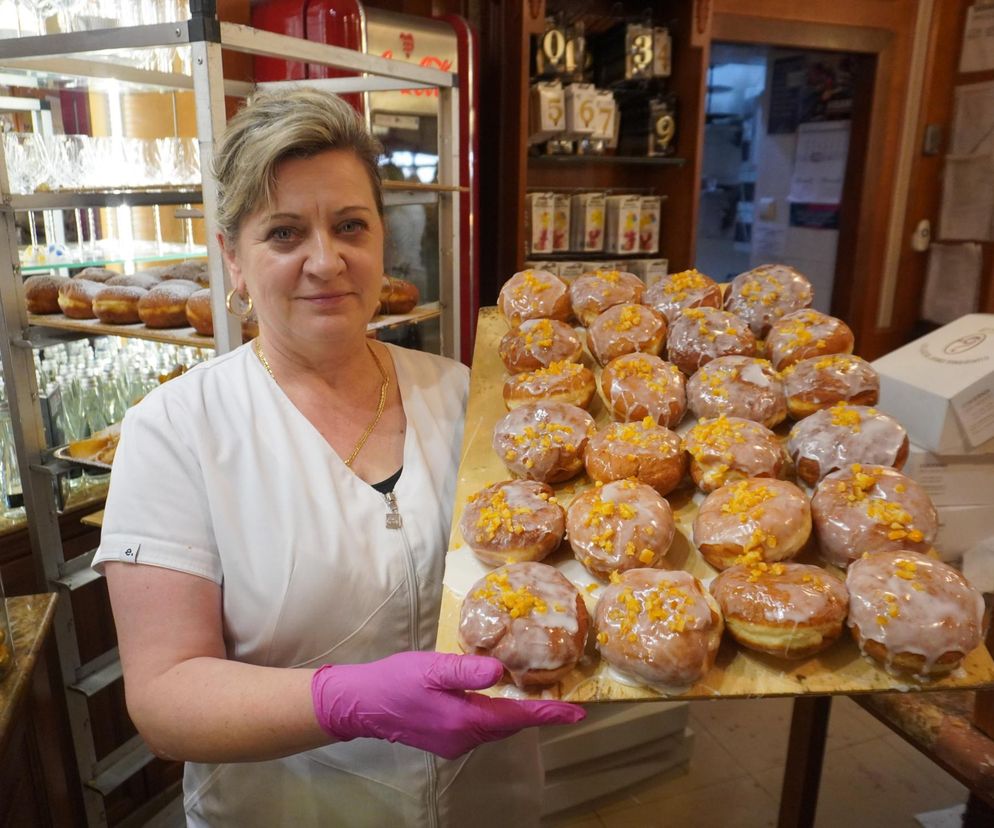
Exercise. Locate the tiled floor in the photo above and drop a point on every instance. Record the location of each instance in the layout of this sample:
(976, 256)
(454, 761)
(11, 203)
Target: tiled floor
(871, 777)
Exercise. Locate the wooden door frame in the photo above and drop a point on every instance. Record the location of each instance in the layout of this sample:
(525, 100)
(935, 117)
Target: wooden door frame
(869, 241)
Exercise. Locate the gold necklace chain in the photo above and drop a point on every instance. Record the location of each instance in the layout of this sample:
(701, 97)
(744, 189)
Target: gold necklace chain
(384, 385)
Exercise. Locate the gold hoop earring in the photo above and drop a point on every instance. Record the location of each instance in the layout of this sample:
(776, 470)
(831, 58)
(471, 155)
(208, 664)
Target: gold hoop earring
(245, 310)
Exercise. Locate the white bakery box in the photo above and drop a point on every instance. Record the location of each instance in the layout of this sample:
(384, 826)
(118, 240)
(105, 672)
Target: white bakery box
(615, 747)
(941, 389)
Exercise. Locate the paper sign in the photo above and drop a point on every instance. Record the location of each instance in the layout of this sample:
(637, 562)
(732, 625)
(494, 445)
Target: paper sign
(952, 284)
(973, 120)
(975, 411)
(978, 40)
(820, 162)
(967, 198)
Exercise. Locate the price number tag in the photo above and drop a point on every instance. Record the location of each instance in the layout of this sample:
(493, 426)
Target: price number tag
(605, 115)
(581, 111)
(639, 43)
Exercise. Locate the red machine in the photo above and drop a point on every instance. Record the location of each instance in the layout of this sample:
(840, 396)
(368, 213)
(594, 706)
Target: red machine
(405, 121)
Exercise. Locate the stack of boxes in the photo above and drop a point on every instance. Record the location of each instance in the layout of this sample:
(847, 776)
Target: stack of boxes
(941, 389)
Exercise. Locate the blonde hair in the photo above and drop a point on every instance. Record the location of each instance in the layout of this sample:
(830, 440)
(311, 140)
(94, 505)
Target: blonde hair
(289, 123)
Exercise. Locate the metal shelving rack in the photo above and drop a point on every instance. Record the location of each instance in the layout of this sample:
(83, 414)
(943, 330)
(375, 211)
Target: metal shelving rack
(71, 54)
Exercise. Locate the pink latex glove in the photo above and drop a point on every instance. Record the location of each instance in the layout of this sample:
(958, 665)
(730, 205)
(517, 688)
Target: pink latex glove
(419, 699)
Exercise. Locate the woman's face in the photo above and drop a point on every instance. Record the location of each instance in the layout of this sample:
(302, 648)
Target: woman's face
(313, 261)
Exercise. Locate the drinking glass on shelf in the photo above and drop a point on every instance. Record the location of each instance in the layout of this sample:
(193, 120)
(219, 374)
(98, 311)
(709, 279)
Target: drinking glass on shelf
(10, 476)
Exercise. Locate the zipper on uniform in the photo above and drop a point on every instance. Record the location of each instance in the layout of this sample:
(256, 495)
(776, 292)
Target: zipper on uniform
(395, 521)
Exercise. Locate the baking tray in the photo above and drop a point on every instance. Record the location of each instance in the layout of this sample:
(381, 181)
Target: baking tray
(738, 673)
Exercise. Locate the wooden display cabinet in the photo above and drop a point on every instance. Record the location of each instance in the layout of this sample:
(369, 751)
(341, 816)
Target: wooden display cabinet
(505, 130)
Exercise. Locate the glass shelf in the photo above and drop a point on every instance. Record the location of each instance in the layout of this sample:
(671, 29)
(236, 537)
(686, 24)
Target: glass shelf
(104, 254)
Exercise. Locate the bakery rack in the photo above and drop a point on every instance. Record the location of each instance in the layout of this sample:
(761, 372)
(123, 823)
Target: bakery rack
(76, 54)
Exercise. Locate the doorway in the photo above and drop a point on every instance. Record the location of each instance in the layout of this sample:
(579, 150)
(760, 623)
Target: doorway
(777, 133)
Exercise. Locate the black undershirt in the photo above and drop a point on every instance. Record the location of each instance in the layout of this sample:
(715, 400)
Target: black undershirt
(386, 486)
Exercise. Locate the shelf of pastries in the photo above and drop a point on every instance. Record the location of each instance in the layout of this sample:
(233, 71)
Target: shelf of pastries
(596, 603)
(172, 304)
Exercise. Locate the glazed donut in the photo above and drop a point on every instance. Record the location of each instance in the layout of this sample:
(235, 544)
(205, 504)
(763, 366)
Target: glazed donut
(544, 441)
(593, 293)
(789, 610)
(642, 450)
(738, 386)
(190, 270)
(530, 617)
(164, 306)
(398, 295)
(96, 274)
(533, 294)
(804, 334)
(913, 614)
(766, 293)
(198, 312)
(686, 289)
(820, 382)
(76, 298)
(637, 386)
(565, 382)
(837, 437)
(618, 526)
(118, 304)
(625, 329)
(729, 448)
(41, 293)
(702, 334)
(871, 509)
(513, 521)
(658, 628)
(142, 279)
(752, 520)
(537, 343)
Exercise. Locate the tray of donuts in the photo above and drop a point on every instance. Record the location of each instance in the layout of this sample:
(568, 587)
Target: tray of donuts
(685, 491)
(157, 298)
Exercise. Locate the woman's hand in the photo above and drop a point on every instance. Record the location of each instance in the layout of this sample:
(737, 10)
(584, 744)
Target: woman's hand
(420, 699)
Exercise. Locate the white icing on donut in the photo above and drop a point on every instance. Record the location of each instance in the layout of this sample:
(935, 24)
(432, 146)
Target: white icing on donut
(530, 294)
(730, 448)
(640, 385)
(686, 289)
(513, 515)
(701, 334)
(625, 329)
(539, 440)
(784, 593)
(558, 378)
(827, 380)
(593, 293)
(538, 343)
(767, 293)
(738, 386)
(804, 334)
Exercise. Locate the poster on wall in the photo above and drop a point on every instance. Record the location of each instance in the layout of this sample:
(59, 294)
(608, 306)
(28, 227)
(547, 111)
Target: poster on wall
(967, 210)
(820, 162)
(973, 120)
(978, 39)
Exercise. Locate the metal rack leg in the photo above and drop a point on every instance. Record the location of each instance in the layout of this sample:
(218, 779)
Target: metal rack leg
(805, 752)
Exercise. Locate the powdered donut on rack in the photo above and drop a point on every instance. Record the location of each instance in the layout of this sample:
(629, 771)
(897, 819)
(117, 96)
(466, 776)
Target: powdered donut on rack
(41, 293)
(872, 509)
(618, 526)
(738, 386)
(641, 450)
(566, 382)
(76, 297)
(140, 279)
(198, 312)
(752, 521)
(593, 293)
(837, 437)
(636, 386)
(658, 628)
(820, 382)
(804, 334)
(625, 329)
(544, 441)
(700, 335)
(789, 610)
(190, 270)
(533, 294)
(513, 521)
(118, 304)
(164, 306)
(537, 343)
(726, 449)
(766, 293)
(686, 289)
(913, 614)
(96, 274)
(530, 617)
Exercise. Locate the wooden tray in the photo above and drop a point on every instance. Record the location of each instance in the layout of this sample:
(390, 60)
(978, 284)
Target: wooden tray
(737, 673)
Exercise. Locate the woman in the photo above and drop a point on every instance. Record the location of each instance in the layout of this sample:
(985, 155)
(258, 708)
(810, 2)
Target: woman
(270, 601)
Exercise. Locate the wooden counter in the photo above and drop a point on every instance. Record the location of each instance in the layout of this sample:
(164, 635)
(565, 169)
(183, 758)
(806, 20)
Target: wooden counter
(30, 619)
(738, 672)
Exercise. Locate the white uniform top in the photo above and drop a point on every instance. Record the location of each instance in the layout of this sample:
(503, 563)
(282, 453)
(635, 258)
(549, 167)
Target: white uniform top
(219, 475)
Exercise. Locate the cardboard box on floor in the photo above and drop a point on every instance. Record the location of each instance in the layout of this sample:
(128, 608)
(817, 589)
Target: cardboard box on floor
(941, 386)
